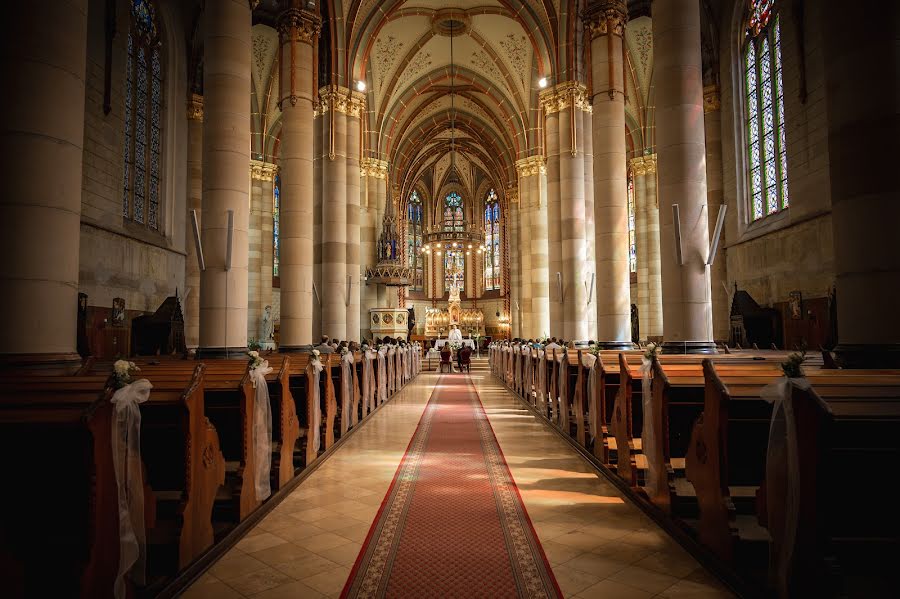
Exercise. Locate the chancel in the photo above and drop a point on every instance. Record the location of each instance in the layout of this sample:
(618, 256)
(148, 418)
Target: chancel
(449, 298)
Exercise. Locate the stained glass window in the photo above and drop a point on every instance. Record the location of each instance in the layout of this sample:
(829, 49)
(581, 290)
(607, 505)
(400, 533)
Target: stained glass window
(632, 245)
(142, 147)
(453, 212)
(414, 240)
(455, 268)
(276, 225)
(491, 242)
(766, 147)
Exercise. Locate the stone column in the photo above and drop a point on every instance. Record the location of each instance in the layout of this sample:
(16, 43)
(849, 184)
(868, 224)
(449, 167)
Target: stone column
(43, 54)
(374, 174)
(605, 19)
(333, 292)
(260, 276)
(532, 176)
(654, 260)
(515, 273)
(525, 243)
(554, 235)
(355, 107)
(639, 173)
(194, 202)
(226, 160)
(687, 310)
(864, 105)
(298, 33)
(590, 240)
(715, 197)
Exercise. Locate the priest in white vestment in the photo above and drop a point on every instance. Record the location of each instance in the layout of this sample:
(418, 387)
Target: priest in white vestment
(455, 335)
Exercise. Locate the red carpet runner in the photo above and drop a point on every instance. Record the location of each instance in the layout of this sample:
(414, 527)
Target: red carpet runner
(452, 523)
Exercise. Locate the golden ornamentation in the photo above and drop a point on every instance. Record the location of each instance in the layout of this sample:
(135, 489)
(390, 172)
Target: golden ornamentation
(195, 107)
(512, 194)
(711, 100)
(565, 95)
(263, 171)
(340, 99)
(643, 165)
(606, 16)
(533, 165)
(299, 25)
(372, 167)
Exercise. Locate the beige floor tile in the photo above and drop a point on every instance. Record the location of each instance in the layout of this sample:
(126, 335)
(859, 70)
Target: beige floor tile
(329, 581)
(344, 555)
(217, 590)
(280, 553)
(597, 565)
(686, 589)
(300, 531)
(306, 566)
(235, 566)
(610, 589)
(559, 554)
(644, 579)
(291, 590)
(259, 581)
(263, 540)
(572, 581)
(321, 542)
(579, 540)
(675, 565)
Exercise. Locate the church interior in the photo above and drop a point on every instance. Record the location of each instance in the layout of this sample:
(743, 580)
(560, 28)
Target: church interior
(463, 298)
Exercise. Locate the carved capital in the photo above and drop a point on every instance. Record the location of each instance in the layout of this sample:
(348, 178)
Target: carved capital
(372, 167)
(512, 194)
(340, 99)
(711, 100)
(263, 171)
(570, 94)
(195, 107)
(643, 165)
(533, 165)
(299, 25)
(606, 16)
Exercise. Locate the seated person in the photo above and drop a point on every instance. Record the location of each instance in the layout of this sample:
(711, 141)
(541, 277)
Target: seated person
(446, 353)
(463, 356)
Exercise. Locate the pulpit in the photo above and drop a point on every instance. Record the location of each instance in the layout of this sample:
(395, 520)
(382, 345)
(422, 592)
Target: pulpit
(160, 333)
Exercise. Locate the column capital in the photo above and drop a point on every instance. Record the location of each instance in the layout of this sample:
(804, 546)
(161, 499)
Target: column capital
(340, 99)
(373, 167)
(512, 194)
(711, 100)
(643, 165)
(565, 95)
(533, 165)
(299, 25)
(606, 16)
(195, 107)
(263, 171)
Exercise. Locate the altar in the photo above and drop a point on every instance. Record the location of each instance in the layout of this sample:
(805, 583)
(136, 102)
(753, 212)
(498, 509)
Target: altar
(439, 343)
(439, 322)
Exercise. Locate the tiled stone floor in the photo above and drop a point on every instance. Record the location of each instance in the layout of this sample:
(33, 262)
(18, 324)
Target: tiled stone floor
(599, 544)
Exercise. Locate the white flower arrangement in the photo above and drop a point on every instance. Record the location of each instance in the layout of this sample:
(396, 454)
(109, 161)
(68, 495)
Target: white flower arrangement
(594, 349)
(652, 349)
(123, 371)
(344, 350)
(255, 360)
(456, 346)
(315, 356)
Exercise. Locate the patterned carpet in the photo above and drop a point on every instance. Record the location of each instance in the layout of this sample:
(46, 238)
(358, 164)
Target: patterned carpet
(452, 523)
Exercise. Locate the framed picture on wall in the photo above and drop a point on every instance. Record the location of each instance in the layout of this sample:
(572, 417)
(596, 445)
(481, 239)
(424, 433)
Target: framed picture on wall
(795, 302)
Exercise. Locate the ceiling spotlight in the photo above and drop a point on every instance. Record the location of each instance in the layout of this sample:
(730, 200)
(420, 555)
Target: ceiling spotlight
(361, 85)
(470, 246)
(542, 82)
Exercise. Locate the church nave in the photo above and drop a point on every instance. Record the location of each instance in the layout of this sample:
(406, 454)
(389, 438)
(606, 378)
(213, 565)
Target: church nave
(597, 543)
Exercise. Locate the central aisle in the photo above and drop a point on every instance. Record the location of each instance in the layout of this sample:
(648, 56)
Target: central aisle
(598, 544)
(452, 523)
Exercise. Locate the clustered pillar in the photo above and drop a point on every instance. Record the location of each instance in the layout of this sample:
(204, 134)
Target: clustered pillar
(38, 306)
(298, 31)
(533, 211)
(226, 160)
(649, 280)
(191, 307)
(715, 194)
(606, 22)
(374, 175)
(681, 151)
(262, 175)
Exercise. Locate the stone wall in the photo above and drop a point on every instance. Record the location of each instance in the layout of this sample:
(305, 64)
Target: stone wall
(120, 259)
(792, 250)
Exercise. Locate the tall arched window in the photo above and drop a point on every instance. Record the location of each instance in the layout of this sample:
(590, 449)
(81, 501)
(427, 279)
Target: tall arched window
(414, 240)
(143, 118)
(455, 269)
(491, 241)
(632, 245)
(766, 154)
(276, 225)
(453, 212)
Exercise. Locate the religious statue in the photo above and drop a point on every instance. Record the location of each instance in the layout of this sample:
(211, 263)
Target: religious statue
(411, 320)
(268, 328)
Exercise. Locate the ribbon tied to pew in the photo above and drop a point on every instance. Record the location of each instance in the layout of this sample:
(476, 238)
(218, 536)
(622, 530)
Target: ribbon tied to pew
(648, 434)
(262, 430)
(347, 391)
(126, 442)
(782, 454)
(317, 406)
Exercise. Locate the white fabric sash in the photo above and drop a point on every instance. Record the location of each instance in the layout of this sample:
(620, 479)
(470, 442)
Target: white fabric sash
(262, 430)
(317, 407)
(370, 364)
(783, 449)
(348, 413)
(542, 382)
(648, 434)
(126, 446)
(590, 362)
(382, 376)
